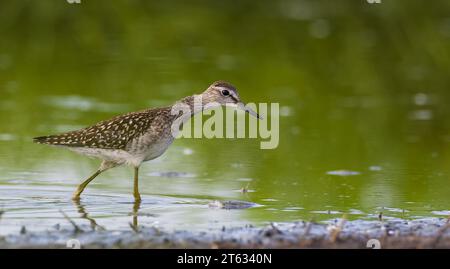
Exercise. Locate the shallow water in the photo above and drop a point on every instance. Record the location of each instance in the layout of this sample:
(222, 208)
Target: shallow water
(364, 124)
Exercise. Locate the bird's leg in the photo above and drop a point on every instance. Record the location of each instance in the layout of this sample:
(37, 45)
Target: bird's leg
(136, 206)
(103, 167)
(80, 189)
(137, 196)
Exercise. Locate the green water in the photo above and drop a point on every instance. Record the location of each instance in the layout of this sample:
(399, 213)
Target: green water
(363, 90)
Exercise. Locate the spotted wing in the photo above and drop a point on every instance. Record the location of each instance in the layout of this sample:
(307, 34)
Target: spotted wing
(115, 133)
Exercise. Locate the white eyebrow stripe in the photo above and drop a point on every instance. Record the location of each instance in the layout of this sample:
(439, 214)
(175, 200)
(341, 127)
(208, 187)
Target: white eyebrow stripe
(223, 88)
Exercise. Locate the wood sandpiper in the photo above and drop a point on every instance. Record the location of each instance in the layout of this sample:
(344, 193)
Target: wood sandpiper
(137, 137)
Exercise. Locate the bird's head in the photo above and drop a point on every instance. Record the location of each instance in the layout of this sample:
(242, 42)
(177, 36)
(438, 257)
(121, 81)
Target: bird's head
(225, 94)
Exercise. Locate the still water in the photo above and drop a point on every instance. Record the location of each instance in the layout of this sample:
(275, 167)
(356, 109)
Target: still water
(363, 91)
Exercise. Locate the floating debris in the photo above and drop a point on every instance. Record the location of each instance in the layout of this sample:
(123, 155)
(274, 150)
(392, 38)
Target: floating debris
(231, 204)
(343, 173)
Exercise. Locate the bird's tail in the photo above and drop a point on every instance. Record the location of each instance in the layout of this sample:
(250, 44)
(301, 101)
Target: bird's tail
(49, 140)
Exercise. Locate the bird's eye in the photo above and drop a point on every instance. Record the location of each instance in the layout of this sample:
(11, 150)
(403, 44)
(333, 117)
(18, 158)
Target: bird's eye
(225, 92)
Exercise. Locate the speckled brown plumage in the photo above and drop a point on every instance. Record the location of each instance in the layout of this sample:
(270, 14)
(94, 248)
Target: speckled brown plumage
(116, 133)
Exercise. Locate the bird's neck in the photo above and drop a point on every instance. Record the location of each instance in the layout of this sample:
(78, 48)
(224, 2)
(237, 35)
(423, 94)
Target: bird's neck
(183, 110)
(189, 101)
(187, 107)
(195, 104)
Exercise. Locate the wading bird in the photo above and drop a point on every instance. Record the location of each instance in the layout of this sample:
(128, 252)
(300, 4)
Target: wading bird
(141, 136)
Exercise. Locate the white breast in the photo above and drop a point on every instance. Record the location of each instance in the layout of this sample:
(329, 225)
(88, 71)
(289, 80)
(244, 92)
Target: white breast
(113, 155)
(145, 148)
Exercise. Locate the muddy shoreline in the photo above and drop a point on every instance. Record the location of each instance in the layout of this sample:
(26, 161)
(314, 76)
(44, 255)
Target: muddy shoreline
(337, 233)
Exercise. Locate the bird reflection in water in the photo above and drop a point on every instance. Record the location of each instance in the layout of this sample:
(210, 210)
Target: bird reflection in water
(84, 214)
